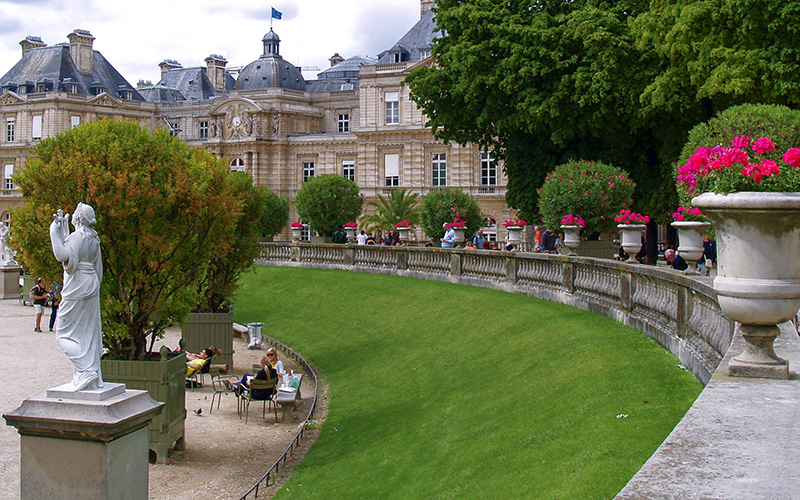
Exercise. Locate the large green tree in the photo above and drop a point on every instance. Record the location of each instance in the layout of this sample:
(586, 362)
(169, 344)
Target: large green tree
(162, 208)
(276, 212)
(328, 201)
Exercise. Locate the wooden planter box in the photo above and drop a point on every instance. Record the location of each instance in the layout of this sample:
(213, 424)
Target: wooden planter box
(165, 380)
(203, 330)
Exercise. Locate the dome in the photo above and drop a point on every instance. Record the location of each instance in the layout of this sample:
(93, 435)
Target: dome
(270, 70)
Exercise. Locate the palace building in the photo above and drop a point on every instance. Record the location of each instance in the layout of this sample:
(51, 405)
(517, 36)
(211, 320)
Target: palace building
(355, 120)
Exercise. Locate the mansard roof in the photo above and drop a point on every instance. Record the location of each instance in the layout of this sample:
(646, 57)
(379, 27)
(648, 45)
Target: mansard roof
(347, 69)
(416, 44)
(192, 84)
(54, 65)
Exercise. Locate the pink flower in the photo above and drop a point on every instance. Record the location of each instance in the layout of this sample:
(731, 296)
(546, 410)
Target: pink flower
(740, 142)
(763, 145)
(792, 157)
(732, 156)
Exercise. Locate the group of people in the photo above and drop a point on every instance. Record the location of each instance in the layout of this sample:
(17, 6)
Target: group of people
(545, 241)
(45, 297)
(271, 368)
(387, 239)
(706, 261)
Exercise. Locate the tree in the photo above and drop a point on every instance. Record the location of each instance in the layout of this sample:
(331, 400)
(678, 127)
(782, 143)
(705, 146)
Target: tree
(594, 191)
(444, 206)
(328, 201)
(161, 208)
(400, 205)
(276, 212)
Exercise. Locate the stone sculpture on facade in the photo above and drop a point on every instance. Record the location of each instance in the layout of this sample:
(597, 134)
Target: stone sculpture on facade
(6, 254)
(78, 328)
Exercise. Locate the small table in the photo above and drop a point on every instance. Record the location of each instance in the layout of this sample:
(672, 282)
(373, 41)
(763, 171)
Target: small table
(287, 396)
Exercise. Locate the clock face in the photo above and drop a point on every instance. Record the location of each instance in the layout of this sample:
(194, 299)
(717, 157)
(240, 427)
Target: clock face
(237, 121)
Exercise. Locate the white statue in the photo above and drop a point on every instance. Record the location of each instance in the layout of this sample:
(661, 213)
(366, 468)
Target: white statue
(78, 330)
(5, 250)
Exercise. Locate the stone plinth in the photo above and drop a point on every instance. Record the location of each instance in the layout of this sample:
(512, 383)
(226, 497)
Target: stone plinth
(9, 281)
(91, 445)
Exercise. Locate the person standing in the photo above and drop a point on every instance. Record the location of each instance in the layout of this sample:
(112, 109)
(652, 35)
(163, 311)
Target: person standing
(537, 239)
(548, 243)
(40, 297)
(339, 236)
(55, 299)
(477, 240)
(362, 238)
(449, 240)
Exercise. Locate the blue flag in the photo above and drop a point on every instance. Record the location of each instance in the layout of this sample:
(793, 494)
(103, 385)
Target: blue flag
(276, 14)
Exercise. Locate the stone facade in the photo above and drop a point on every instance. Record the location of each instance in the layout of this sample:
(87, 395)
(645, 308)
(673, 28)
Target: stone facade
(356, 120)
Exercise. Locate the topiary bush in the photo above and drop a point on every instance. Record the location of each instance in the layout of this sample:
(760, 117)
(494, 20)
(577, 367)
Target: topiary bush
(276, 212)
(593, 190)
(328, 201)
(445, 205)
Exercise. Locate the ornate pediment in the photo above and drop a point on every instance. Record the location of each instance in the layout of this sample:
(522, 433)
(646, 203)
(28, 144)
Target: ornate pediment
(236, 119)
(105, 99)
(9, 97)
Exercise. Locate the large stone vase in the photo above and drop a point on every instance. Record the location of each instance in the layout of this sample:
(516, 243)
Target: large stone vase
(690, 239)
(459, 235)
(572, 237)
(758, 273)
(514, 234)
(403, 233)
(631, 235)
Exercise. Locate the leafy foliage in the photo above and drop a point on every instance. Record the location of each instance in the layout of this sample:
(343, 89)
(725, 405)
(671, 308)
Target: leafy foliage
(276, 212)
(400, 205)
(328, 201)
(592, 190)
(779, 123)
(444, 206)
(162, 211)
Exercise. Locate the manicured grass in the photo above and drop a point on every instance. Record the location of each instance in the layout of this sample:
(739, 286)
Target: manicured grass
(443, 391)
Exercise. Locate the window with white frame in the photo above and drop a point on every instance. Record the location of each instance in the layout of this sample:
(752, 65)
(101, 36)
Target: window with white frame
(349, 170)
(74, 121)
(392, 100)
(237, 165)
(391, 168)
(204, 129)
(8, 182)
(343, 123)
(11, 125)
(36, 129)
(488, 169)
(308, 170)
(439, 169)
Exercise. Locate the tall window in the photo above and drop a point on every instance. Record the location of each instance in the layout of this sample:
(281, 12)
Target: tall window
(308, 170)
(237, 164)
(36, 132)
(204, 129)
(391, 167)
(343, 122)
(349, 170)
(8, 183)
(392, 100)
(74, 121)
(439, 169)
(488, 169)
(11, 124)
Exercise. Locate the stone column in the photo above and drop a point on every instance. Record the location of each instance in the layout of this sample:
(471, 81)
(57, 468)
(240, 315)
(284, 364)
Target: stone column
(9, 282)
(90, 444)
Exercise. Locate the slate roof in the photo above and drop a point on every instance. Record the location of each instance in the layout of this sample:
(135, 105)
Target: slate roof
(415, 43)
(346, 69)
(331, 85)
(54, 65)
(270, 70)
(190, 84)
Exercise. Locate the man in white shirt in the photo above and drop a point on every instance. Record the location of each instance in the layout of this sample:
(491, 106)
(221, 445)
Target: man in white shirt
(362, 238)
(449, 240)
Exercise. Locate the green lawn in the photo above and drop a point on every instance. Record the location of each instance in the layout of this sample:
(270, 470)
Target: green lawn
(442, 391)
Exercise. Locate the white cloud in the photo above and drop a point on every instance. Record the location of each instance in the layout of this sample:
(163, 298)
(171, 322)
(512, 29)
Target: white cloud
(135, 37)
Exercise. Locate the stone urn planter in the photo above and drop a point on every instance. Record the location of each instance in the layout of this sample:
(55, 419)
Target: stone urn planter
(459, 235)
(515, 234)
(351, 233)
(758, 273)
(572, 238)
(404, 233)
(631, 236)
(690, 239)
(297, 233)
(165, 381)
(201, 330)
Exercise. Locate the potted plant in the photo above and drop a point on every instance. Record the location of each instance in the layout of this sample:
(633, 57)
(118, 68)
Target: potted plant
(403, 229)
(631, 225)
(458, 226)
(572, 225)
(350, 229)
(297, 231)
(691, 225)
(514, 227)
(751, 192)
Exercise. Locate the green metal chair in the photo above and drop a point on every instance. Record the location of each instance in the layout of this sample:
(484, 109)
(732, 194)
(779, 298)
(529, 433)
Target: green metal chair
(257, 385)
(218, 383)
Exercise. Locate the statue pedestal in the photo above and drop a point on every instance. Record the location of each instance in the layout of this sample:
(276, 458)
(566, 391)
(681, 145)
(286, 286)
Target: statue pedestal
(9, 281)
(91, 445)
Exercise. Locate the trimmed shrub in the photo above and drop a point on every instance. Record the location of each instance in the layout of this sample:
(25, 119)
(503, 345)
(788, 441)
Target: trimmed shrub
(445, 205)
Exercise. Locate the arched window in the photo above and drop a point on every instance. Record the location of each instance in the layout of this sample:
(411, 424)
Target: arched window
(489, 227)
(237, 164)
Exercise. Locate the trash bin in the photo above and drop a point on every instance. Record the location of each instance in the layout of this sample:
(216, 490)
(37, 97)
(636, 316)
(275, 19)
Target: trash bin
(254, 330)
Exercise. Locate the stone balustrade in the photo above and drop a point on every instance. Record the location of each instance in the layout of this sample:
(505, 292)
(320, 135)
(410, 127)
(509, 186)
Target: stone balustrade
(679, 311)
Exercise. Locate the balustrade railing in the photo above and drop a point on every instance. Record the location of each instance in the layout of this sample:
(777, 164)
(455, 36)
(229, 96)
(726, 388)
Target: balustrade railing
(679, 311)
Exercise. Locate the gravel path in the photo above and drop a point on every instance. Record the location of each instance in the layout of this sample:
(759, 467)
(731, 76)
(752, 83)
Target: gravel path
(223, 456)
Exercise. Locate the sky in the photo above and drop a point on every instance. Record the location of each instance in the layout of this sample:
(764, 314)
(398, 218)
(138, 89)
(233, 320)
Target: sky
(136, 36)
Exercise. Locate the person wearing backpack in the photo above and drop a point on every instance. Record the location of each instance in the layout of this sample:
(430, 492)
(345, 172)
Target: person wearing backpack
(478, 240)
(40, 297)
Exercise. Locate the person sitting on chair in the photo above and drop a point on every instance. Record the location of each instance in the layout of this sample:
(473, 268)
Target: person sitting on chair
(199, 362)
(266, 373)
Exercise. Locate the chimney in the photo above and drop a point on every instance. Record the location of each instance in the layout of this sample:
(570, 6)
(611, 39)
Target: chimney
(425, 6)
(167, 65)
(335, 59)
(80, 48)
(30, 43)
(216, 71)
